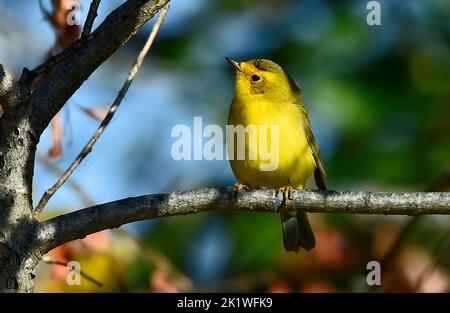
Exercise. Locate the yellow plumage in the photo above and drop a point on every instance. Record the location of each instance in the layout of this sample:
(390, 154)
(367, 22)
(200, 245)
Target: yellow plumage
(266, 95)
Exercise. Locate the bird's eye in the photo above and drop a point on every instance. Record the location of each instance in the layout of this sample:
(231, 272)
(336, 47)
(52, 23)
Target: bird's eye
(255, 78)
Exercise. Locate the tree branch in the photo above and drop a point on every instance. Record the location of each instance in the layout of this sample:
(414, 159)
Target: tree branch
(92, 14)
(86, 55)
(78, 224)
(109, 116)
(50, 261)
(391, 255)
(11, 92)
(85, 198)
(442, 182)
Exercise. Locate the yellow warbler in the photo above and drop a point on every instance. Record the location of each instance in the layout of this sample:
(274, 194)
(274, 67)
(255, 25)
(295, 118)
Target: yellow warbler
(266, 96)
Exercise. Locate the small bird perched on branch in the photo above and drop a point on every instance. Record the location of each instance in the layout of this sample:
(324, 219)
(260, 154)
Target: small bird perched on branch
(266, 97)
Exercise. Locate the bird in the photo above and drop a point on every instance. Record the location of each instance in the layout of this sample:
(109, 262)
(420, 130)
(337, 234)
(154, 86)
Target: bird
(264, 95)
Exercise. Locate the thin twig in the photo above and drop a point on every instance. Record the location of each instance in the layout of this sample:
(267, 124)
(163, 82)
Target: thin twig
(400, 240)
(28, 76)
(443, 181)
(440, 184)
(43, 9)
(112, 110)
(90, 18)
(158, 260)
(53, 92)
(79, 190)
(50, 261)
(437, 253)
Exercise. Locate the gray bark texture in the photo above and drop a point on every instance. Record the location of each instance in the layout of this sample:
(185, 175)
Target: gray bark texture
(78, 224)
(25, 118)
(24, 240)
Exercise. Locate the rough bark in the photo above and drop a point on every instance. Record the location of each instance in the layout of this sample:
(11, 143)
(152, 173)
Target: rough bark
(25, 118)
(11, 93)
(86, 55)
(17, 150)
(78, 224)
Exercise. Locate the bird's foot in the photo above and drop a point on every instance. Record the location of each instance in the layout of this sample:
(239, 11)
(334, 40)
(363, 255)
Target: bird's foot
(286, 192)
(238, 187)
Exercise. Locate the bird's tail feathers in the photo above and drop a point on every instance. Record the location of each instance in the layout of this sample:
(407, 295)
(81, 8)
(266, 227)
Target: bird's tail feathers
(297, 231)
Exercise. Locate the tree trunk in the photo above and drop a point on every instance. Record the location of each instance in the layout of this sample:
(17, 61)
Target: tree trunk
(17, 148)
(25, 117)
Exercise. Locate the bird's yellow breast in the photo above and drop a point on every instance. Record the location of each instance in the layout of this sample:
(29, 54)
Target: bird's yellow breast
(295, 159)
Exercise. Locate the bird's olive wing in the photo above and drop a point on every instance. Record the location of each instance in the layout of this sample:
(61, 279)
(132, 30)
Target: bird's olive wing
(319, 172)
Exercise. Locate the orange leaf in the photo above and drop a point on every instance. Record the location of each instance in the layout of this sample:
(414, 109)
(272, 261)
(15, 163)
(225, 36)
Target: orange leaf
(57, 136)
(162, 282)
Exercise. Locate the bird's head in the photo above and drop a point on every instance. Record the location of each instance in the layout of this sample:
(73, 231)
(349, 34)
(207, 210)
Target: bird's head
(264, 78)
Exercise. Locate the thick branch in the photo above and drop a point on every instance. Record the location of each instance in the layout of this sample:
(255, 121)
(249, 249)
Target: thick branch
(78, 224)
(86, 55)
(109, 116)
(11, 93)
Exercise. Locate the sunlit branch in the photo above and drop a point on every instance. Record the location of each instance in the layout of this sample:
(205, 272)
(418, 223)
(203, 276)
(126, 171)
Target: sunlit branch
(78, 224)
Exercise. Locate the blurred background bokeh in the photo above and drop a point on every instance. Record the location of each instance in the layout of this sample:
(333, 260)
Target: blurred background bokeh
(379, 101)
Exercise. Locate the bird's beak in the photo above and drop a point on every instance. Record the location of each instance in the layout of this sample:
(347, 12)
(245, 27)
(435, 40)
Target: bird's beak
(234, 63)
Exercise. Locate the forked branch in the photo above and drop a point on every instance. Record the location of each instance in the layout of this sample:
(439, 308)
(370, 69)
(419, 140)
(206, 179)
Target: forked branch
(109, 116)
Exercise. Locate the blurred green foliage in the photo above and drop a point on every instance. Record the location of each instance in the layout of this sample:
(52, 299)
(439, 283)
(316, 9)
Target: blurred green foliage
(379, 98)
